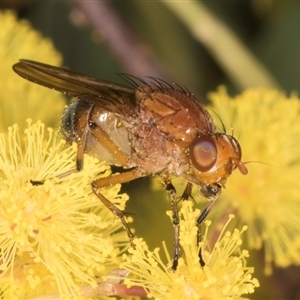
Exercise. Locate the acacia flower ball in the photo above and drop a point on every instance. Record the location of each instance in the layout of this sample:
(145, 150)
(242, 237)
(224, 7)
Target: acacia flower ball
(55, 234)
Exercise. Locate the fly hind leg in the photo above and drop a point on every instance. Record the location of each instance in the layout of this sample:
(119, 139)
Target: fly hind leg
(111, 180)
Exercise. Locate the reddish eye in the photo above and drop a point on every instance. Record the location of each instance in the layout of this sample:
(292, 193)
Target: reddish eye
(203, 153)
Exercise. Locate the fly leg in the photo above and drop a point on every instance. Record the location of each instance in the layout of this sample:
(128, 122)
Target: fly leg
(187, 193)
(111, 180)
(91, 128)
(212, 192)
(171, 192)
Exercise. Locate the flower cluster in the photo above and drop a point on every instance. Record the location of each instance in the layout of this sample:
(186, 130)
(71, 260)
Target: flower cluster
(55, 234)
(20, 99)
(267, 125)
(225, 275)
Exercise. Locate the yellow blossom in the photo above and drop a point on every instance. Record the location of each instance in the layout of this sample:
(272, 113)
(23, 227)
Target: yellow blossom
(55, 234)
(267, 125)
(20, 99)
(225, 275)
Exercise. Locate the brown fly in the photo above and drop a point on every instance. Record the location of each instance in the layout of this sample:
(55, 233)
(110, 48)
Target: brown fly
(146, 128)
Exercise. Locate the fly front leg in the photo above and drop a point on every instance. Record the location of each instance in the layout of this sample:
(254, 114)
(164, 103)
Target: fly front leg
(112, 180)
(212, 192)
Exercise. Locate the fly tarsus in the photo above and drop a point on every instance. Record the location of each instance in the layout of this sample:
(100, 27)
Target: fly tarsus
(36, 182)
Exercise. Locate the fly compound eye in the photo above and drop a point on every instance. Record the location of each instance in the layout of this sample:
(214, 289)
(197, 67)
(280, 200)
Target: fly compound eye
(203, 153)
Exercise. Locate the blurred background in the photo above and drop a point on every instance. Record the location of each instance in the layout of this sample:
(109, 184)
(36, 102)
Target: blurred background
(103, 38)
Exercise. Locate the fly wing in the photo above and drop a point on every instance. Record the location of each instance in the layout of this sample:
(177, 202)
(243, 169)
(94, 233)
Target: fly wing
(71, 83)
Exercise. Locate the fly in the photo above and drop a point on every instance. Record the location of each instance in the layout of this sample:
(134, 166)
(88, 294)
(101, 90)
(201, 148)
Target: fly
(148, 129)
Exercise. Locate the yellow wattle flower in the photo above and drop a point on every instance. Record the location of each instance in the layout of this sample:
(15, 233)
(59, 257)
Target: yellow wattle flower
(267, 125)
(20, 99)
(55, 234)
(225, 275)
